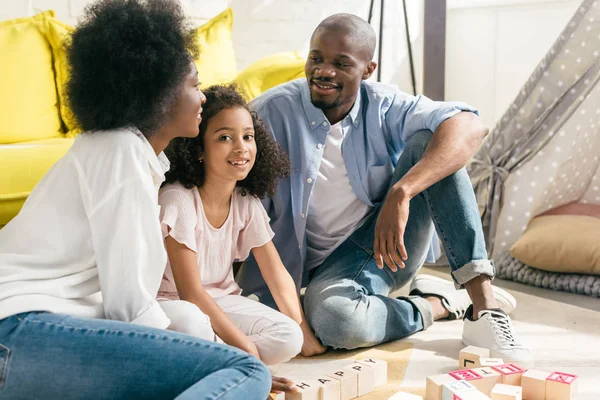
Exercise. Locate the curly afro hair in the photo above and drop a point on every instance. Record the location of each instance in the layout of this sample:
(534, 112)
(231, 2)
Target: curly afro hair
(271, 163)
(128, 59)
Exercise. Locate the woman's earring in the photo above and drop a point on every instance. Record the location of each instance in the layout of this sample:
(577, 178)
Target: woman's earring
(201, 160)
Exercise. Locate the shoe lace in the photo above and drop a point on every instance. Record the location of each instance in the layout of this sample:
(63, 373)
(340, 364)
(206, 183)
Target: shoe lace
(503, 329)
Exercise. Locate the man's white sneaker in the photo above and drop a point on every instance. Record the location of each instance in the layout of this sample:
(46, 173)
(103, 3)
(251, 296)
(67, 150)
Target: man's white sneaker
(493, 330)
(424, 285)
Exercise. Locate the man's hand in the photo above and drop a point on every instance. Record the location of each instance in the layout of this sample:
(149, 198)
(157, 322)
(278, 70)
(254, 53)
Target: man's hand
(311, 346)
(279, 385)
(388, 245)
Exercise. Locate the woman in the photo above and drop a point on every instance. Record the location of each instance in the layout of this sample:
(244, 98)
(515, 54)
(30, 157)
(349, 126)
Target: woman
(81, 264)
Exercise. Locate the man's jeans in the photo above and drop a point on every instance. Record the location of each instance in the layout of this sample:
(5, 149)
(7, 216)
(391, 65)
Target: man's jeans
(346, 300)
(55, 356)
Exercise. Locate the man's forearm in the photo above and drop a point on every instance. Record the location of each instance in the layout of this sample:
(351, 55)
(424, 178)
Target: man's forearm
(452, 145)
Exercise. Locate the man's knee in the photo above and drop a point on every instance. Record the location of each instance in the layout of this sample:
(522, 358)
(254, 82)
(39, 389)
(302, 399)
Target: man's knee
(339, 320)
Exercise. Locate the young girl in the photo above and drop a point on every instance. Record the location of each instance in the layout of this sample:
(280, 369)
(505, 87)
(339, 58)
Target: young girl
(211, 216)
(82, 262)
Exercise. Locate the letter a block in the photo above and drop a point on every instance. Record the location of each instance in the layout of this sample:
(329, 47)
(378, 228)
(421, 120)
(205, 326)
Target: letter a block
(507, 392)
(434, 384)
(489, 379)
(452, 389)
(366, 377)
(470, 356)
(380, 367)
(561, 386)
(348, 383)
(533, 383)
(307, 390)
(511, 374)
(329, 388)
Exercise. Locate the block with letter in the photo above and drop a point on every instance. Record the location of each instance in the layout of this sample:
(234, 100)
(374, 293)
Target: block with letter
(452, 389)
(533, 383)
(507, 392)
(307, 390)
(471, 395)
(380, 367)
(489, 379)
(365, 379)
(490, 362)
(511, 374)
(405, 396)
(434, 384)
(348, 383)
(561, 386)
(470, 356)
(329, 388)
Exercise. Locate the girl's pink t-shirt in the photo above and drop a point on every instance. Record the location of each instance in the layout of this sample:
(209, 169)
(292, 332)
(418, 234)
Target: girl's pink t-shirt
(182, 217)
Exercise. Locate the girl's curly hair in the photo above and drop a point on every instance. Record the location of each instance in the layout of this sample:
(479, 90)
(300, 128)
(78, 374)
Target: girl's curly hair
(128, 59)
(271, 163)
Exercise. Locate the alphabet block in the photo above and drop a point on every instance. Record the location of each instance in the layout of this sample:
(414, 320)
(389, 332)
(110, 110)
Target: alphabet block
(464, 375)
(533, 383)
(405, 396)
(511, 374)
(489, 379)
(470, 356)
(434, 384)
(307, 390)
(471, 395)
(329, 388)
(561, 386)
(348, 383)
(490, 362)
(452, 389)
(366, 377)
(380, 367)
(507, 392)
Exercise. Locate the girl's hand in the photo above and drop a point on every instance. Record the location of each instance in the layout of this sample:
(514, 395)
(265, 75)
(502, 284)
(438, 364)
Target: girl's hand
(311, 346)
(279, 385)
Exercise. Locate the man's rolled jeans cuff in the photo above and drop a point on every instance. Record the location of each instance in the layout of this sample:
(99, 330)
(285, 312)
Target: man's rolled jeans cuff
(472, 270)
(424, 308)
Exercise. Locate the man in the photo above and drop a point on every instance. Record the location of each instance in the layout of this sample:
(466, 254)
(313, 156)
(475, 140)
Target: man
(374, 173)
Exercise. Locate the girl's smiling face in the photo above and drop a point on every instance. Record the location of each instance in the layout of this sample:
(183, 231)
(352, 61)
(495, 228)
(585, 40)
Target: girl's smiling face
(229, 146)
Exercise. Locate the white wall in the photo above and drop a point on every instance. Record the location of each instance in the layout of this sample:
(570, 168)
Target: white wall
(493, 46)
(264, 27)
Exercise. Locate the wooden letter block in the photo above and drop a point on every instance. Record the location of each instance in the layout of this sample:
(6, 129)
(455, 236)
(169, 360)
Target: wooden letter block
(434, 384)
(452, 389)
(489, 379)
(307, 390)
(329, 388)
(464, 375)
(561, 386)
(490, 362)
(507, 392)
(366, 377)
(380, 367)
(511, 374)
(471, 395)
(405, 396)
(470, 356)
(348, 383)
(533, 383)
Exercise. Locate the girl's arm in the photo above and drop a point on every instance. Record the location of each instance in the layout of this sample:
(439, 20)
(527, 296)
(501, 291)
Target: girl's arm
(184, 265)
(283, 289)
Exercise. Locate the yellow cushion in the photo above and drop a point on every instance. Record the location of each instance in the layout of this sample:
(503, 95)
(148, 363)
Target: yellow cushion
(269, 72)
(216, 62)
(28, 99)
(27, 163)
(561, 243)
(57, 32)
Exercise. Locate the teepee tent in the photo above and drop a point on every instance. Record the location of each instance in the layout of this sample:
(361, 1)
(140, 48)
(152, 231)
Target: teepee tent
(545, 150)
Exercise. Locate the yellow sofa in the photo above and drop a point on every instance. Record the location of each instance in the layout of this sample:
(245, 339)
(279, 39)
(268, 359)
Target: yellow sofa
(36, 127)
